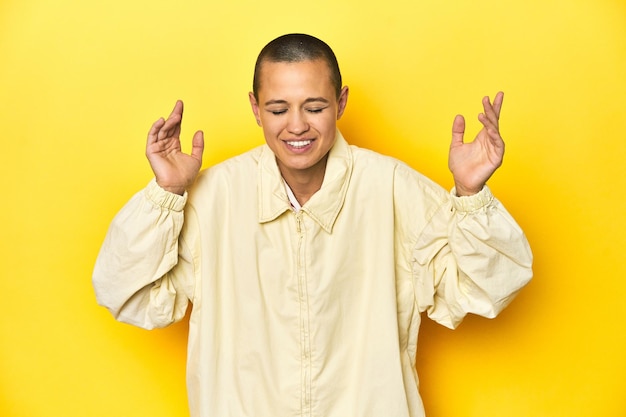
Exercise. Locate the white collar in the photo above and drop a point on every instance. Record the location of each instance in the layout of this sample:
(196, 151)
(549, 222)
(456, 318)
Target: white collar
(292, 198)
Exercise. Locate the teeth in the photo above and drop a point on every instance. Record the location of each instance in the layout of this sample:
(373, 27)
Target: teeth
(299, 143)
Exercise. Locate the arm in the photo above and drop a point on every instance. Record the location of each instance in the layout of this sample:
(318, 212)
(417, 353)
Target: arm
(471, 257)
(144, 273)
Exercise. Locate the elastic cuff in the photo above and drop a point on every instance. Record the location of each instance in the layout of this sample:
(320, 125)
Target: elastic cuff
(471, 202)
(161, 198)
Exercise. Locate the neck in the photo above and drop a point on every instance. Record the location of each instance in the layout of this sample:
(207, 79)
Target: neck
(304, 183)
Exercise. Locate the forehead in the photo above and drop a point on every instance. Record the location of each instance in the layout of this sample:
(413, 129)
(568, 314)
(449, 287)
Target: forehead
(294, 77)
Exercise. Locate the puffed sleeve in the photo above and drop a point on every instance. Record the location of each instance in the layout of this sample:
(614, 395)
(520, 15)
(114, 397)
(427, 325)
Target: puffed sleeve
(471, 257)
(144, 272)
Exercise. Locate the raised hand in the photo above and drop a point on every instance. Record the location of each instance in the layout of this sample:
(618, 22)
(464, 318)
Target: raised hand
(473, 163)
(174, 170)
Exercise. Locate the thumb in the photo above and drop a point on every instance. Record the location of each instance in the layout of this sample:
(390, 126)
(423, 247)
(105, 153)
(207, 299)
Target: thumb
(458, 130)
(197, 145)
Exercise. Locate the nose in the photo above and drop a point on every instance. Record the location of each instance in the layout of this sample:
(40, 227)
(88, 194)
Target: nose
(297, 123)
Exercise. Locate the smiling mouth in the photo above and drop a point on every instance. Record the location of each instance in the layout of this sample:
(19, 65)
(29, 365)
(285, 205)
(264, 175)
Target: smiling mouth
(298, 143)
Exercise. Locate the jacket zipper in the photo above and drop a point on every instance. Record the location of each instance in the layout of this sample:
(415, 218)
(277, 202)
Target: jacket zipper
(305, 343)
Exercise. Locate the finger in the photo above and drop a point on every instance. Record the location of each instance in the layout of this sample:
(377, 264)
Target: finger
(154, 130)
(494, 135)
(197, 145)
(487, 122)
(177, 114)
(489, 111)
(458, 130)
(496, 141)
(497, 103)
(178, 108)
(172, 125)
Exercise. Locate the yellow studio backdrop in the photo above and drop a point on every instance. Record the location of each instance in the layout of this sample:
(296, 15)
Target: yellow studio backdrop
(81, 82)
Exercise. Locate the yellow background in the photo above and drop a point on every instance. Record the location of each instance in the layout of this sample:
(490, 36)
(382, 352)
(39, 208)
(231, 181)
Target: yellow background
(81, 82)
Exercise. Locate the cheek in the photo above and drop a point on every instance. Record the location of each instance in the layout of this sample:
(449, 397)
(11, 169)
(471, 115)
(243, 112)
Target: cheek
(327, 124)
(270, 127)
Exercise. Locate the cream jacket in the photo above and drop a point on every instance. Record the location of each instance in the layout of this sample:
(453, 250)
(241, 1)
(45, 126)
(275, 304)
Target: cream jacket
(314, 313)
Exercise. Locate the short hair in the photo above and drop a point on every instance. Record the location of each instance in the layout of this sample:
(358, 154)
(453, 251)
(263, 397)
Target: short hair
(297, 47)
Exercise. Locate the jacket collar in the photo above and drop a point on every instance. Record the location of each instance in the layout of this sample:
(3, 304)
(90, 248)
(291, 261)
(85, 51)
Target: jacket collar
(324, 206)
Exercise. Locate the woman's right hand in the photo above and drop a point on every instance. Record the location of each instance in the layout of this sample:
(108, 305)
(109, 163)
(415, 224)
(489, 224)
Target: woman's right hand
(174, 170)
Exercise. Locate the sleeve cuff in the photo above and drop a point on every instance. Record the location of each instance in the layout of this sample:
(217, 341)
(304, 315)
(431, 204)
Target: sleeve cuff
(161, 198)
(472, 202)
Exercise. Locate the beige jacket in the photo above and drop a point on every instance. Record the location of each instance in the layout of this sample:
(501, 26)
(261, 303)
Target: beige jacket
(314, 313)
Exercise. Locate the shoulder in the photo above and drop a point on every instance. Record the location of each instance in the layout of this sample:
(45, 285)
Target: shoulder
(371, 163)
(364, 156)
(234, 177)
(373, 167)
(231, 169)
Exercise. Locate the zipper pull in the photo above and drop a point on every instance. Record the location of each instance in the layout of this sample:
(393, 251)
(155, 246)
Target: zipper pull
(299, 222)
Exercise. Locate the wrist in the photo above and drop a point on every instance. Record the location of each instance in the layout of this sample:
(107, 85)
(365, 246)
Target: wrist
(174, 189)
(163, 198)
(462, 191)
(178, 191)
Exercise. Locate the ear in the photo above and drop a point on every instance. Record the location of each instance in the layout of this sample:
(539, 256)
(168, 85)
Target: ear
(342, 102)
(255, 108)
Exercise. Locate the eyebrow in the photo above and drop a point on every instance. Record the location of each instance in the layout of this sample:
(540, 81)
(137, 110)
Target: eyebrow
(308, 100)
